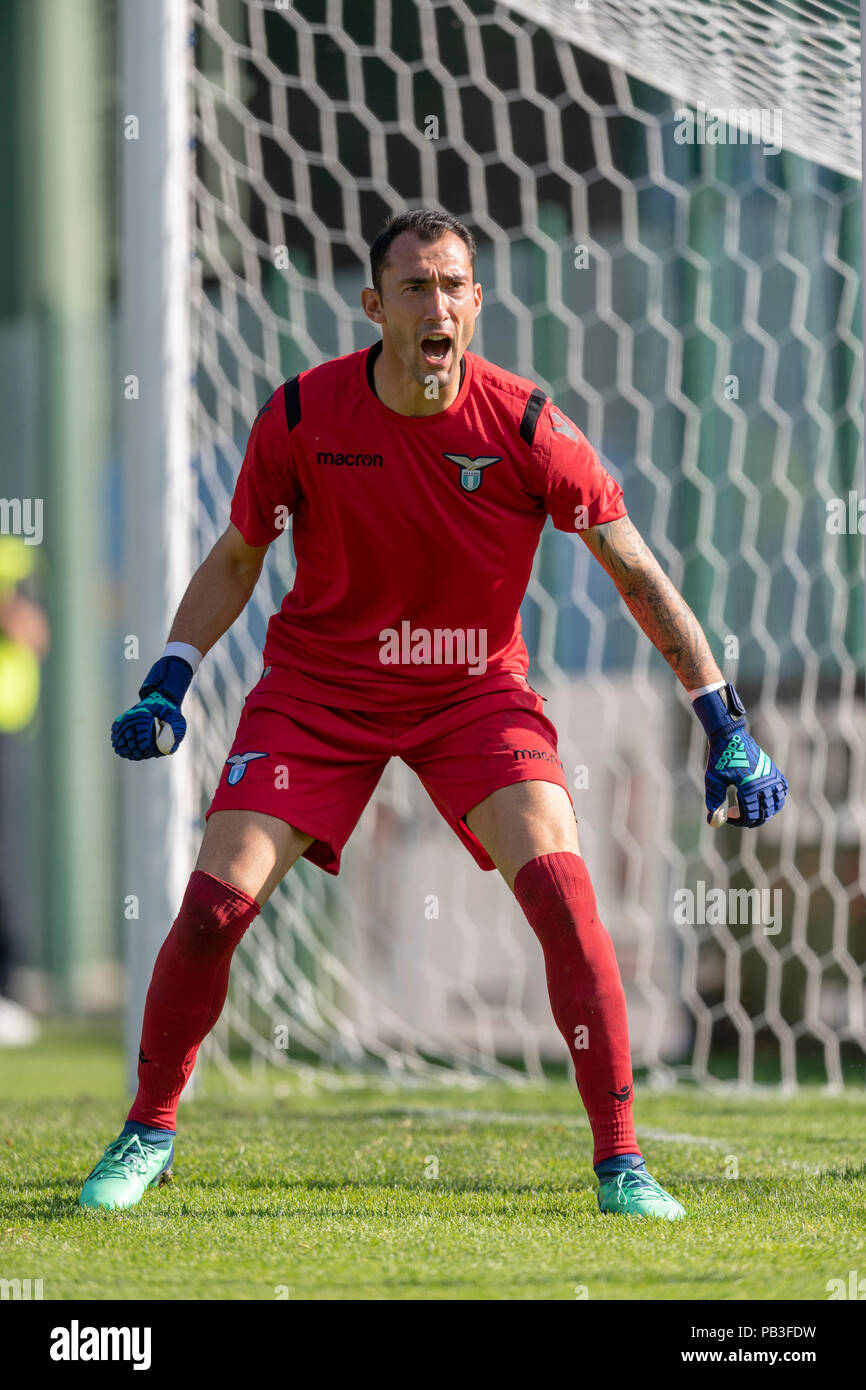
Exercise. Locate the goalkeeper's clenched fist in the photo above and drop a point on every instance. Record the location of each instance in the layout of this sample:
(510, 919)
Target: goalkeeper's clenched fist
(134, 733)
(735, 760)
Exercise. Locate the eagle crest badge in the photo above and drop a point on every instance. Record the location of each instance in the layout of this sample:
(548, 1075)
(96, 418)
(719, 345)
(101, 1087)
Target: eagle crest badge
(471, 470)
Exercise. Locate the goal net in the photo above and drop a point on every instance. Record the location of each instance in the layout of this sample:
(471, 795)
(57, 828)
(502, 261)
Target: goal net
(668, 210)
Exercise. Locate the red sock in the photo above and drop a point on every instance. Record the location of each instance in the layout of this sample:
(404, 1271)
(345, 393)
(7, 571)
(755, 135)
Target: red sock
(586, 992)
(187, 991)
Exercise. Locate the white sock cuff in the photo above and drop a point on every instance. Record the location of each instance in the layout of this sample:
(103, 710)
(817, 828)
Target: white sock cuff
(706, 690)
(186, 651)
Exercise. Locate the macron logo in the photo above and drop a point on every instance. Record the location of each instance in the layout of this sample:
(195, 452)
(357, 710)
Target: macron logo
(77, 1343)
(522, 754)
(350, 460)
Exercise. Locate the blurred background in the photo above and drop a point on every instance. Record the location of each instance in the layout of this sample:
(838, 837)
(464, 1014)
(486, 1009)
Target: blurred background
(59, 413)
(192, 188)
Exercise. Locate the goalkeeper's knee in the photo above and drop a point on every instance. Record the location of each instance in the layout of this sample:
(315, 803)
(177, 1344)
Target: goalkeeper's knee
(213, 909)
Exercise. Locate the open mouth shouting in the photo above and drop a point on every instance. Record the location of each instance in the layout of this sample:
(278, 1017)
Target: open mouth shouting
(437, 349)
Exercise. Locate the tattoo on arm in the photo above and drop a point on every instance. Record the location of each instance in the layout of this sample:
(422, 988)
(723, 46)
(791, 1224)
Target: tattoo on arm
(659, 608)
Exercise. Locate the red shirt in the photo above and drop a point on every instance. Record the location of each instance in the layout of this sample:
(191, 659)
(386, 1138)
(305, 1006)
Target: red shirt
(413, 535)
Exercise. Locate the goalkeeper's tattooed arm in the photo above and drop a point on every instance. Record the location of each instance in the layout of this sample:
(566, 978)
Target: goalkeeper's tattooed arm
(654, 601)
(735, 762)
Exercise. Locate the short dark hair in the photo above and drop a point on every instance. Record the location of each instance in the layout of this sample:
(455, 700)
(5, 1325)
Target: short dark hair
(428, 225)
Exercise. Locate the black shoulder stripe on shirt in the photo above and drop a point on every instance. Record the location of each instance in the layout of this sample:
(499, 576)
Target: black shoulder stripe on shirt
(371, 362)
(531, 414)
(292, 399)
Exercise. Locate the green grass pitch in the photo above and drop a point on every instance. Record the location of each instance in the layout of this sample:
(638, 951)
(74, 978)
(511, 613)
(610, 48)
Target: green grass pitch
(384, 1193)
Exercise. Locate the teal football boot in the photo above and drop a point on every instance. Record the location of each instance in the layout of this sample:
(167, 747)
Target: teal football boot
(126, 1170)
(635, 1193)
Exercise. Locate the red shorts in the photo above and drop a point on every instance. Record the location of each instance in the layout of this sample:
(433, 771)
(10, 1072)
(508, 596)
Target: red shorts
(317, 767)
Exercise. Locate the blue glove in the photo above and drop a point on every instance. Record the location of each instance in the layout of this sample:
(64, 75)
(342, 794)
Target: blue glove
(735, 760)
(134, 733)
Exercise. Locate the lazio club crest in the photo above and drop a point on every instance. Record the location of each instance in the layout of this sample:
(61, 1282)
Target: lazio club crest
(471, 469)
(238, 764)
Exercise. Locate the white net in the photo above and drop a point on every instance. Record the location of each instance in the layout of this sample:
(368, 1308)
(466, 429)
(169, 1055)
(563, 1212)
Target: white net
(737, 59)
(693, 302)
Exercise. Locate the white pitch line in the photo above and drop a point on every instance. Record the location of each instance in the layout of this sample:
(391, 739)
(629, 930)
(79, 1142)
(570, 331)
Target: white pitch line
(536, 1118)
(662, 1136)
(665, 1137)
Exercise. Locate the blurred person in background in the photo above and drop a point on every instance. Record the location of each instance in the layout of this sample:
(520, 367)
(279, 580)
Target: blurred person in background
(24, 642)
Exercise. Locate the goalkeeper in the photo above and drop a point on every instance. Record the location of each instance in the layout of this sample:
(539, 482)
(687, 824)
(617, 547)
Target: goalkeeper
(419, 478)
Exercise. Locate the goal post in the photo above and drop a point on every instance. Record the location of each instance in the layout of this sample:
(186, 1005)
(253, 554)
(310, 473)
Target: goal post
(692, 299)
(154, 376)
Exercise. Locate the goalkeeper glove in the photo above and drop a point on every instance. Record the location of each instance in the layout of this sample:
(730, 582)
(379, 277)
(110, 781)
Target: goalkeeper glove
(735, 760)
(134, 733)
